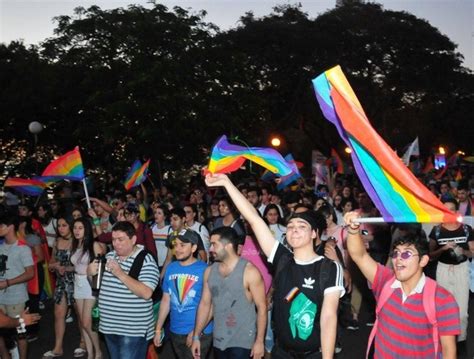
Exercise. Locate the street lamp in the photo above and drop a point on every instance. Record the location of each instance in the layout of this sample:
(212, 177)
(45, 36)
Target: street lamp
(347, 150)
(35, 128)
(275, 141)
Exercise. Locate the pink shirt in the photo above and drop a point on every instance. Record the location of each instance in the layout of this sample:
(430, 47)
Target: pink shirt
(251, 252)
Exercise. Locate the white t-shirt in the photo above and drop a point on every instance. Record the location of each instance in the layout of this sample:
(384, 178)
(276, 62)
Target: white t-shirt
(201, 229)
(278, 231)
(160, 235)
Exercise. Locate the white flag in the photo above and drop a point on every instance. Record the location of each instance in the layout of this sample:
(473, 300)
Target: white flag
(413, 150)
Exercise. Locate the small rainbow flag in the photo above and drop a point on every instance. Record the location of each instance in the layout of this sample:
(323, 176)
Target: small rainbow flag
(29, 187)
(396, 192)
(284, 181)
(136, 175)
(68, 166)
(226, 158)
(336, 162)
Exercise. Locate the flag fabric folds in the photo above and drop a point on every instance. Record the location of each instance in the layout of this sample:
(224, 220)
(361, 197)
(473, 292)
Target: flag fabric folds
(284, 181)
(226, 158)
(336, 162)
(136, 175)
(395, 191)
(412, 150)
(29, 187)
(68, 166)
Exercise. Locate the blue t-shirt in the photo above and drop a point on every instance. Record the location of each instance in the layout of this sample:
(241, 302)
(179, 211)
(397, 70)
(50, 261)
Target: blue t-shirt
(184, 285)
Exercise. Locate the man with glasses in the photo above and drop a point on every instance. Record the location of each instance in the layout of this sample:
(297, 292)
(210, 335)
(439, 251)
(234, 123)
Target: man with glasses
(403, 328)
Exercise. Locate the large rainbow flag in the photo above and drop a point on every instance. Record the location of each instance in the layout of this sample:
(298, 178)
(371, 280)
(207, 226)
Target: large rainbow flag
(136, 175)
(395, 191)
(29, 187)
(68, 166)
(226, 158)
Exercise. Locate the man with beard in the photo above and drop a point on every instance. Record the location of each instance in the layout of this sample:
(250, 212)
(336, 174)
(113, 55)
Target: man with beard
(182, 290)
(233, 288)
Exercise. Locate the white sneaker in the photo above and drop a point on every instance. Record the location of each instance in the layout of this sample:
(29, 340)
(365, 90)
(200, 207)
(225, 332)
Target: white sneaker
(69, 319)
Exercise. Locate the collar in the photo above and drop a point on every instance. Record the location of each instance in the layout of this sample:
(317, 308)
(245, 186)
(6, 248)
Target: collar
(418, 288)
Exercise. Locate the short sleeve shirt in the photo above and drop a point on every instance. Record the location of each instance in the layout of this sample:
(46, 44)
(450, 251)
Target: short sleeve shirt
(17, 258)
(462, 235)
(299, 295)
(403, 329)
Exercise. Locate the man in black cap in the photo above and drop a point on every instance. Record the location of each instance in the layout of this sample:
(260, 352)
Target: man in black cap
(307, 285)
(182, 290)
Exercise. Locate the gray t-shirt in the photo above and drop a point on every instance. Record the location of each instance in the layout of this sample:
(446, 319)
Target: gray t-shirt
(18, 258)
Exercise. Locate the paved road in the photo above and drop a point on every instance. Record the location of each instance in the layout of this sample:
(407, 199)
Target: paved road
(353, 342)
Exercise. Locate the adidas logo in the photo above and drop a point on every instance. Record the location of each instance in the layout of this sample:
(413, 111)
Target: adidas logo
(308, 283)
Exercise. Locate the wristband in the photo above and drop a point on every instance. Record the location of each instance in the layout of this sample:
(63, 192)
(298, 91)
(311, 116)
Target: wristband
(21, 329)
(196, 337)
(8, 283)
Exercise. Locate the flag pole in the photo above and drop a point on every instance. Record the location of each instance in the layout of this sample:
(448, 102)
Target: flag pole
(86, 193)
(369, 220)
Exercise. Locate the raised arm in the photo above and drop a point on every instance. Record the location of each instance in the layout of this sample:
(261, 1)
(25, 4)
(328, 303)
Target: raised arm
(356, 248)
(259, 227)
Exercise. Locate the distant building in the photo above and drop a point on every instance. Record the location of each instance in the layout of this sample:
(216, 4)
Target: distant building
(344, 2)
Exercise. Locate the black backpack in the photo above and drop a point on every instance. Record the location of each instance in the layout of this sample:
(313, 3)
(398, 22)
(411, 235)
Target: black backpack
(134, 272)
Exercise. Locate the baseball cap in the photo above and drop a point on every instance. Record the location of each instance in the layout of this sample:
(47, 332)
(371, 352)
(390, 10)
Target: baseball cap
(188, 236)
(308, 216)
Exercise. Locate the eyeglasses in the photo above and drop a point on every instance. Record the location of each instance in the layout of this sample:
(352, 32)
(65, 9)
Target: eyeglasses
(129, 214)
(403, 255)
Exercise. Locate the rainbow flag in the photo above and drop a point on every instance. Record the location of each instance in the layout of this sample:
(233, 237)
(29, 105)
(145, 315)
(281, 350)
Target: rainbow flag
(396, 192)
(68, 166)
(284, 181)
(226, 158)
(335, 161)
(48, 181)
(136, 175)
(29, 187)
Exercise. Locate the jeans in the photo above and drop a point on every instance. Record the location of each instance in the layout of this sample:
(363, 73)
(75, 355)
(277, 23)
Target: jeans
(280, 353)
(232, 353)
(124, 347)
(182, 351)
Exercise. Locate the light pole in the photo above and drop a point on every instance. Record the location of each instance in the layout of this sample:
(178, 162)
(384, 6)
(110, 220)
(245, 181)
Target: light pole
(35, 128)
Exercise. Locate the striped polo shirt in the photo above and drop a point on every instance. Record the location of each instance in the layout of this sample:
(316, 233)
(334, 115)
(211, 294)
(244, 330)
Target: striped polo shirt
(404, 330)
(121, 311)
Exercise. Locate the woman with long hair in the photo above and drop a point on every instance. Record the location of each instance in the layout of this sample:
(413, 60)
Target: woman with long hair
(271, 215)
(64, 291)
(84, 250)
(229, 216)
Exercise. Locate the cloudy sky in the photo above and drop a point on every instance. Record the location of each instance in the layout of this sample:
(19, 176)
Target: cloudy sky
(31, 20)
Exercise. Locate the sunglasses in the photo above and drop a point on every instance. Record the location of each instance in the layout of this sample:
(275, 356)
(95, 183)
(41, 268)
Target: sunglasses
(403, 255)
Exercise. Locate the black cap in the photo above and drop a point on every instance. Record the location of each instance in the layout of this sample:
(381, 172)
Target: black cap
(309, 217)
(188, 236)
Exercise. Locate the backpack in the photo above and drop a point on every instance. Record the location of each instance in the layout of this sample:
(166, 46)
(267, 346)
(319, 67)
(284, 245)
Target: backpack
(135, 270)
(429, 305)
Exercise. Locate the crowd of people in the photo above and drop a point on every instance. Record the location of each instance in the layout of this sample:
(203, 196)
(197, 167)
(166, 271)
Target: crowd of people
(235, 271)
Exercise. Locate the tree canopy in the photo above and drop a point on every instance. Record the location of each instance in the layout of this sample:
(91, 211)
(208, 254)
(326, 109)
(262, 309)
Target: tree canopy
(154, 82)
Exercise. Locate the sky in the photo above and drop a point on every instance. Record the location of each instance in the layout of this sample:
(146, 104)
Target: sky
(31, 20)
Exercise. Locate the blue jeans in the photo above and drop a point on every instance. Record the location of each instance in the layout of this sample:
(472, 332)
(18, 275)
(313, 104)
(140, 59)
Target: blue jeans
(232, 353)
(124, 347)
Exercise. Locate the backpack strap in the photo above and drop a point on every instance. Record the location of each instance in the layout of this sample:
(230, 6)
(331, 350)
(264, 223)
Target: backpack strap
(137, 264)
(429, 305)
(385, 294)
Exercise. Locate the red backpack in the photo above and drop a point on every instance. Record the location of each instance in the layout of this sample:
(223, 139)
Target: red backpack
(429, 292)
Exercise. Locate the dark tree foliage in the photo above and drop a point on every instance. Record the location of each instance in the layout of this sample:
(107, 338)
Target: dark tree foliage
(154, 82)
